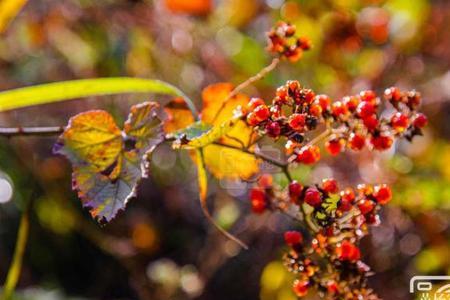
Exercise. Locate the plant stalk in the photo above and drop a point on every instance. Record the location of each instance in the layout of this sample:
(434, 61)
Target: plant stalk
(16, 265)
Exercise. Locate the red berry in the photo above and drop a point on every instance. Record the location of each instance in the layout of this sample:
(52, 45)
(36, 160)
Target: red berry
(308, 96)
(293, 85)
(262, 113)
(282, 94)
(251, 119)
(344, 205)
(258, 200)
(365, 189)
(324, 101)
(393, 94)
(381, 142)
(313, 197)
(371, 122)
(365, 109)
(373, 219)
(295, 189)
(368, 96)
(420, 120)
(330, 185)
(399, 121)
(254, 103)
(382, 194)
(256, 194)
(348, 195)
(334, 146)
(258, 207)
(338, 109)
(332, 287)
(348, 251)
(292, 238)
(304, 43)
(414, 99)
(315, 110)
(356, 141)
(351, 102)
(297, 122)
(308, 155)
(273, 129)
(275, 111)
(300, 287)
(366, 206)
(265, 181)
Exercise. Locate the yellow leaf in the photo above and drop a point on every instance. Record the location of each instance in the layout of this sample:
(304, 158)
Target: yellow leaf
(8, 11)
(218, 109)
(108, 163)
(94, 138)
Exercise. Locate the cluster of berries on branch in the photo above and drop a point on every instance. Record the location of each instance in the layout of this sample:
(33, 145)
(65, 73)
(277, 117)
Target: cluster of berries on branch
(284, 43)
(328, 258)
(325, 255)
(354, 122)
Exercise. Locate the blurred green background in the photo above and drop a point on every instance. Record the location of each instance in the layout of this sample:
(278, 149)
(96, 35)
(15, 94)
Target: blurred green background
(162, 247)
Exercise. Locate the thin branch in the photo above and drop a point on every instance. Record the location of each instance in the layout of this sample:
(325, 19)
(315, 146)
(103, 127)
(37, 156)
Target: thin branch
(320, 137)
(259, 155)
(30, 131)
(248, 82)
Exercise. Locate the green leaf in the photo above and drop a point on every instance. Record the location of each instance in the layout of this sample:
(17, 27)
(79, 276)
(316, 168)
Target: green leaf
(66, 90)
(108, 163)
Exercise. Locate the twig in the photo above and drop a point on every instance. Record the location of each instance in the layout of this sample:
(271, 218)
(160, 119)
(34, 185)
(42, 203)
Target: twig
(16, 265)
(320, 137)
(248, 82)
(259, 155)
(29, 131)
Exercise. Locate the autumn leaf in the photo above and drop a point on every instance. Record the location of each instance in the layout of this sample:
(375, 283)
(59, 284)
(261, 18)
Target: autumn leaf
(178, 116)
(220, 122)
(108, 163)
(225, 162)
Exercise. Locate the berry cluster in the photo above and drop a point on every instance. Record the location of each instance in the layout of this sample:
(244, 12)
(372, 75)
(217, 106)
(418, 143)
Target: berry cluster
(353, 122)
(329, 258)
(283, 42)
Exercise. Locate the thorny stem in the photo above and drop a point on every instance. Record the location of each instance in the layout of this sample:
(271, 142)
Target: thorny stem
(16, 265)
(248, 82)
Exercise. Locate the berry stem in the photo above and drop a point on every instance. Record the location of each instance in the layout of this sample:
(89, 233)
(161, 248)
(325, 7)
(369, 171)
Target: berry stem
(266, 70)
(319, 137)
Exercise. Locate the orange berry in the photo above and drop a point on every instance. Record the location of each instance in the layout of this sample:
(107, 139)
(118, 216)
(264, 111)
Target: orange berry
(308, 155)
(254, 103)
(262, 113)
(382, 194)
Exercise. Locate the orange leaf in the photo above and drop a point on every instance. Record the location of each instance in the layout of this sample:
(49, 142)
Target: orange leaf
(178, 116)
(192, 7)
(217, 109)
